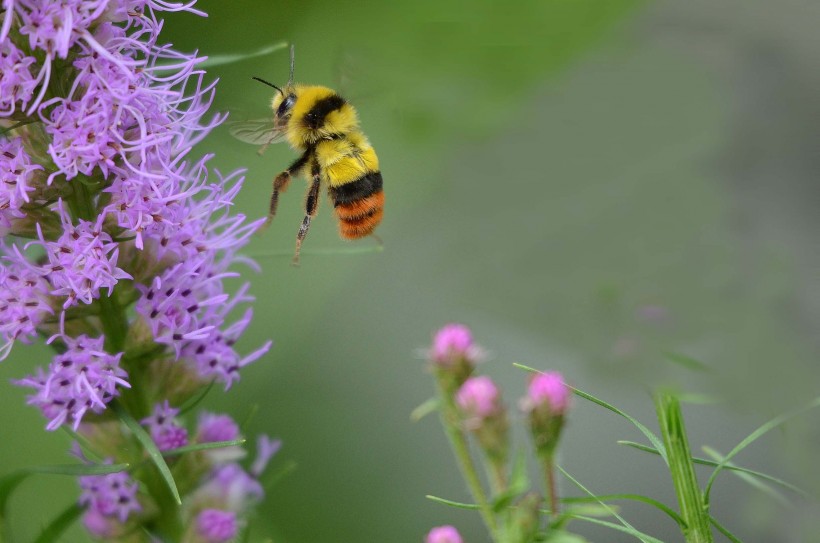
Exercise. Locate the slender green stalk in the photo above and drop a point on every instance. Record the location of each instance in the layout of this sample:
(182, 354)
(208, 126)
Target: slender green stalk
(548, 467)
(682, 468)
(458, 441)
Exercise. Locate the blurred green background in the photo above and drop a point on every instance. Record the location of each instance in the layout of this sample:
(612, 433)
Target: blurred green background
(589, 185)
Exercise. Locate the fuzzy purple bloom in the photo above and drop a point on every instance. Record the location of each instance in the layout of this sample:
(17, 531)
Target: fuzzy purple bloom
(164, 430)
(216, 526)
(16, 171)
(82, 261)
(16, 82)
(112, 495)
(84, 378)
(213, 428)
(23, 301)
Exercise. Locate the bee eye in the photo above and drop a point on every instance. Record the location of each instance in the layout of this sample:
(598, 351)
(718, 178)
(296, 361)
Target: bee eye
(286, 106)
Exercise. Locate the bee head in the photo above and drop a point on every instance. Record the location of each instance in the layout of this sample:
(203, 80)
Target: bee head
(283, 100)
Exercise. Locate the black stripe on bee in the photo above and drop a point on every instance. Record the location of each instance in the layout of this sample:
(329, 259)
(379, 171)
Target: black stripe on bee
(316, 116)
(357, 190)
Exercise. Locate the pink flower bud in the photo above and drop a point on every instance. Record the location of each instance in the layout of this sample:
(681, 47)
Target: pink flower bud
(452, 342)
(548, 390)
(478, 397)
(443, 534)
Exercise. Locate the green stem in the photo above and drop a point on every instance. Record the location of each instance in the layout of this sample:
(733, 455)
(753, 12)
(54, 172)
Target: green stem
(548, 467)
(458, 441)
(690, 499)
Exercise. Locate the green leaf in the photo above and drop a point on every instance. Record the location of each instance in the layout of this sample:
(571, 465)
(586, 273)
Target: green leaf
(204, 446)
(324, 252)
(631, 531)
(730, 467)
(756, 483)
(560, 536)
(271, 478)
(220, 60)
(451, 503)
(633, 497)
(729, 535)
(655, 440)
(15, 126)
(519, 483)
(627, 527)
(60, 524)
(193, 401)
(687, 362)
(772, 424)
(88, 449)
(77, 470)
(150, 447)
(428, 407)
(8, 484)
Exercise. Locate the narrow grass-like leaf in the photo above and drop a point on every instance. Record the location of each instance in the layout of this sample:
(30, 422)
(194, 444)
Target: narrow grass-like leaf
(192, 402)
(655, 440)
(203, 446)
(270, 479)
(150, 448)
(772, 424)
(424, 409)
(730, 467)
(519, 483)
(633, 497)
(687, 362)
(631, 531)
(77, 470)
(60, 524)
(720, 528)
(88, 449)
(220, 60)
(451, 503)
(15, 126)
(324, 252)
(8, 484)
(628, 528)
(749, 479)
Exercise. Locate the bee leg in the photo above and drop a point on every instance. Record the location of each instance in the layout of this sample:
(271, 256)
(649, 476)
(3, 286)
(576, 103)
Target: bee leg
(280, 184)
(311, 205)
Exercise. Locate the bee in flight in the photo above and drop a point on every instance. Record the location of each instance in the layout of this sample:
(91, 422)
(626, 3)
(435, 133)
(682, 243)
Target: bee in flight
(324, 128)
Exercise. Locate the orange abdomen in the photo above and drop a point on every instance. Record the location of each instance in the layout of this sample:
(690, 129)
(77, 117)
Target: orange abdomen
(359, 205)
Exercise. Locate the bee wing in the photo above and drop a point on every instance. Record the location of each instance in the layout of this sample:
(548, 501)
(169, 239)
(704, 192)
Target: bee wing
(255, 132)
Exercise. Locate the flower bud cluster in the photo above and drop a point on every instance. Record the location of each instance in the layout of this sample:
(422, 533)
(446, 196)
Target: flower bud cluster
(473, 405)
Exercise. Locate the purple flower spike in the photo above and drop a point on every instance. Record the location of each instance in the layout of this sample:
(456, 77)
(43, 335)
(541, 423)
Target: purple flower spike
(113, 495)
(16, 82)
(443, 534)
(216, 526)
(81, 379)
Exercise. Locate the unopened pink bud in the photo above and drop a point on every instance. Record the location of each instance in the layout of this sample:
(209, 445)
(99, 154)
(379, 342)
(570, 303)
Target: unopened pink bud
(443, 534)
(453, 341)
(548, 389)
(478, 397)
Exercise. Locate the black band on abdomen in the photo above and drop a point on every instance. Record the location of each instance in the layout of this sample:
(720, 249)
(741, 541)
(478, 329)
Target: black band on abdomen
(357, 190)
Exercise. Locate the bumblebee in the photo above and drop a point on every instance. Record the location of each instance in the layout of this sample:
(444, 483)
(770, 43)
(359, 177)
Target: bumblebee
(324, 128)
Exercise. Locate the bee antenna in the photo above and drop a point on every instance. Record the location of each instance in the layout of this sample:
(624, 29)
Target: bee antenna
(268, 84)
(292, 48)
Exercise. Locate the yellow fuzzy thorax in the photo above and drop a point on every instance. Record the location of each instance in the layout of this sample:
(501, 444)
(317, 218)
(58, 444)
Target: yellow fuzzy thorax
(346, 160)
(298, 134)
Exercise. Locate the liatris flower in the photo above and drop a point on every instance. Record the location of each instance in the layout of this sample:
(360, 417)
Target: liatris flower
(216, 526)
(118, 246)
(165, 431)
(484, 415)
(443, 534)
(83, 378)
(546, 403)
